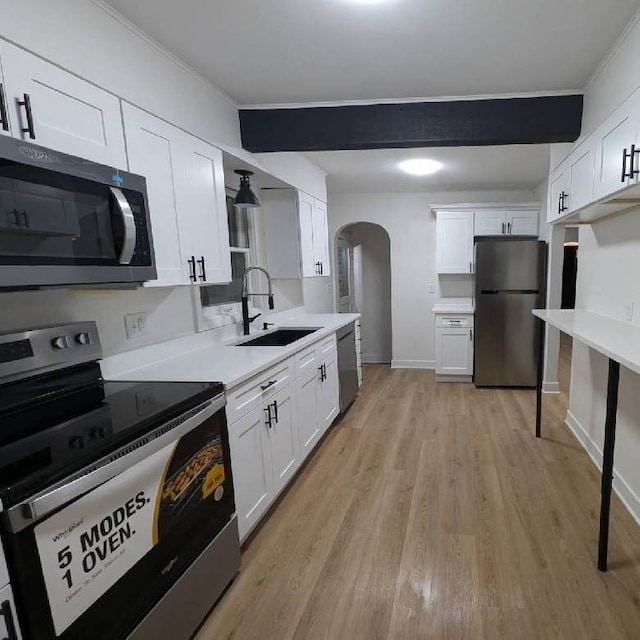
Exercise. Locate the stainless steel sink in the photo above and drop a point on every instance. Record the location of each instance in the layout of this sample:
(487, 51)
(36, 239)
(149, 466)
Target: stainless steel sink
(278, 338)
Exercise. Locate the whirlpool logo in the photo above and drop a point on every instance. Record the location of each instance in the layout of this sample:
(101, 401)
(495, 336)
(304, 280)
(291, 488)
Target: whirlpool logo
(40, 155)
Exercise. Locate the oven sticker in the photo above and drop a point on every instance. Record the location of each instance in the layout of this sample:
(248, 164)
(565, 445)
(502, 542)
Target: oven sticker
(89, 545)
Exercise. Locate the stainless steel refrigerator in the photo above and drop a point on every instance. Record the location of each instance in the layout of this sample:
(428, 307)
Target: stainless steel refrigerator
(510, 283)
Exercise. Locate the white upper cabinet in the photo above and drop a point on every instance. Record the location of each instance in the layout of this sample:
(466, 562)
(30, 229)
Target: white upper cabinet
(185, 185)
(506, 223)
(321, 238)
(614, 160)
(580, 166)
(202, 219)
(296, 234)
(305, 214)
(489, 223)
(153, 152)
(559, 197)
(522, 223)
(56, 109)
(454, 242)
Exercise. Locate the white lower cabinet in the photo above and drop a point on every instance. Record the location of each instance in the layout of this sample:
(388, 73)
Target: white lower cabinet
(252, 469)
(9, 620)
(274, 428)
(307, 396)
(283, 437)
(329, 396)
(454, 348)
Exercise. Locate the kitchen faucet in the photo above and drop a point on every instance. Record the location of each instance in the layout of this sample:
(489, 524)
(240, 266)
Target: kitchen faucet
(246, 319)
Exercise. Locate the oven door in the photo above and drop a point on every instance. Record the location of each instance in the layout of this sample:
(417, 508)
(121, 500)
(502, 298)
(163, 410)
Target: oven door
(59, 225)
(95, 566)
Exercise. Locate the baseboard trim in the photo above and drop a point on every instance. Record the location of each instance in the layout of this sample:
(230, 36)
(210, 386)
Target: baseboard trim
(374, 358)
(626, 494)
(550, 387)
(413, 364)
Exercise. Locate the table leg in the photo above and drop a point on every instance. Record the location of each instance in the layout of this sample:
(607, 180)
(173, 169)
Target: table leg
(540, 376)
(607, 461)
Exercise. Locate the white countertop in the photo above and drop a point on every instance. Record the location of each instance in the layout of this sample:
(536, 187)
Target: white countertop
(616, 339)
(446, 307)
(198, 358)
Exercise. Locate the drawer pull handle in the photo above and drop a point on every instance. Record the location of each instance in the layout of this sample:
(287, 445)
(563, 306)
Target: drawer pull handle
(269, 384)
(7, 614)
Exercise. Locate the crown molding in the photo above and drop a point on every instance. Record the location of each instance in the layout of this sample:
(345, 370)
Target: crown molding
(481, 206)
(356, 103)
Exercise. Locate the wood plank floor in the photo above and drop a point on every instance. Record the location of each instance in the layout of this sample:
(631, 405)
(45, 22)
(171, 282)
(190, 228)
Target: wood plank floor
(431, 511)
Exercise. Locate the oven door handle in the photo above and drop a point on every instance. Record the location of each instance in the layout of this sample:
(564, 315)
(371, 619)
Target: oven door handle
(39, 506)
(129, 224)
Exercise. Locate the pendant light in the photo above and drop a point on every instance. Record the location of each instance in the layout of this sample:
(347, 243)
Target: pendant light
(245, 197)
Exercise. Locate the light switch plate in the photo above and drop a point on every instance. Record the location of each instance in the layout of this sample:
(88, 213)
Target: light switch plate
(135, 324)
(628, 310)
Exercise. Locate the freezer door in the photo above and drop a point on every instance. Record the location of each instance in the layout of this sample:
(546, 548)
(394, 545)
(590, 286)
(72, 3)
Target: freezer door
(509, 265)
(505, 340)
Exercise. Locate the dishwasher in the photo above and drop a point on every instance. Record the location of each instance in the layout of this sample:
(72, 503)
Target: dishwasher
(347, 365)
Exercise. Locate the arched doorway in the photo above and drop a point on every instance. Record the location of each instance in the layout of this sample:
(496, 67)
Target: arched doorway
(363, 258)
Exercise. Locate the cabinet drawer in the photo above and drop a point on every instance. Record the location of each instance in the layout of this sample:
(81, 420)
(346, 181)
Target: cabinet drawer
(247, 396)
(326, 346)
(4, 574)
(463, 321)
(306, 359)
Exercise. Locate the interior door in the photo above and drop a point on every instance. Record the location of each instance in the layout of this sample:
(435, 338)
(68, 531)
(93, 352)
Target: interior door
(152, 146)
(345, 289)
(69, 114)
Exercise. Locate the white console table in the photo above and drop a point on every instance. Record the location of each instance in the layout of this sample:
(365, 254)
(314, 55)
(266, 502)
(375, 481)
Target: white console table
(620, 342)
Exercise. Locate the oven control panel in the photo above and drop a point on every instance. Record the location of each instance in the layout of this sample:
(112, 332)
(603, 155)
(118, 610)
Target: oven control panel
(28, 352)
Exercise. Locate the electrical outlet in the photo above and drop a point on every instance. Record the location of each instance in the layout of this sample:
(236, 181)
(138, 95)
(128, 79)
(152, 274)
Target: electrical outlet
(431, 288)
(628, 310)
(135, 324)
(328, 287)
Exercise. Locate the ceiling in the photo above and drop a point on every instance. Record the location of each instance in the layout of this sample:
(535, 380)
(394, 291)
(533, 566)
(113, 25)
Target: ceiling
(512, 167)
(294, 51)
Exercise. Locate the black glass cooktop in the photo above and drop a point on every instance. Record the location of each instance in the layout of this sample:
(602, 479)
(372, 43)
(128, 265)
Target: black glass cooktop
(56, 424)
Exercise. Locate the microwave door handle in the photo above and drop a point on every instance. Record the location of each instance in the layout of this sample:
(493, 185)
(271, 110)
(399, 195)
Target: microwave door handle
(129, 224)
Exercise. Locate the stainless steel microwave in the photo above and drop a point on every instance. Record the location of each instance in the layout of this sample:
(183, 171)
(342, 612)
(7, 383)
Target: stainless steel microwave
(65, 221)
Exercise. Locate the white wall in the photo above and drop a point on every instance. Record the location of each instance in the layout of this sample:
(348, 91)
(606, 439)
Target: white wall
(375, 288)
(296, 169)
(608, 264)
(411, 225)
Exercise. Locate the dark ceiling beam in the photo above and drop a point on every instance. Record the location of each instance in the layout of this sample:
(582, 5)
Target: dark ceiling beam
(458, 123)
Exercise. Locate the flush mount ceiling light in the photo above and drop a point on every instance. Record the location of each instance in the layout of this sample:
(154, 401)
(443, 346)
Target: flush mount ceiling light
(245, 197)
(420, 166)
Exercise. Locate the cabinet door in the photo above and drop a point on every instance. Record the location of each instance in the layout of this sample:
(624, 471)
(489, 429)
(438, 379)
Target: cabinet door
(455, 242)
(321, 238)
(283, 437)
(489, 223)
(581, 165)
(329, 394)
(307, 395)
(9, 628)
(69, 114)
(522, 223)
(613, 138)
(454, 351)
(153, 147)
(558, 185)
(5, 122)
(305, 215)
(202, 211)
(252, 469)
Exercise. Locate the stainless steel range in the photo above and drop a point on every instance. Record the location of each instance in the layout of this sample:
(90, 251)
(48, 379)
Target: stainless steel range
(118, 509)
